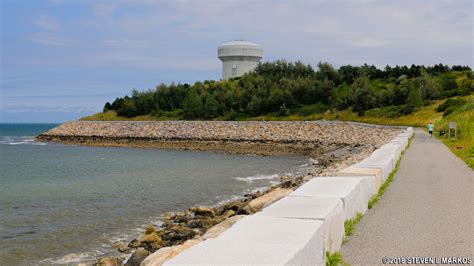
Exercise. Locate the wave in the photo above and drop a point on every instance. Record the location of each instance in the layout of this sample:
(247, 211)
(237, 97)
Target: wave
(74, 258)
(19, 140)
(250, 179)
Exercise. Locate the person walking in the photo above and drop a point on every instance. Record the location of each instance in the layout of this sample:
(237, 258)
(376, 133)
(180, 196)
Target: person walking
(430, 129)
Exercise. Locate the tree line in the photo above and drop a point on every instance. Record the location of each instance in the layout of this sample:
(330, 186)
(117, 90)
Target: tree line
(281, 88)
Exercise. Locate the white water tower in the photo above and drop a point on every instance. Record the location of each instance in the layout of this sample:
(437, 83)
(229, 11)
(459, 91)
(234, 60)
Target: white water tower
(238, 57)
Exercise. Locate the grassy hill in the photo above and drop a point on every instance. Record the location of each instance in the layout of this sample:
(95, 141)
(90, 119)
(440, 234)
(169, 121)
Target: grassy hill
(463, 114)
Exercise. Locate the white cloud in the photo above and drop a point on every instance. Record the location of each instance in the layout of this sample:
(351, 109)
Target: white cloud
(157, 62)
(47, 23)
(49, 40)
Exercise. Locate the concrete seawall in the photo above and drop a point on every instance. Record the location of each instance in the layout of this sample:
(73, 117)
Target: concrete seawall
(301, 227)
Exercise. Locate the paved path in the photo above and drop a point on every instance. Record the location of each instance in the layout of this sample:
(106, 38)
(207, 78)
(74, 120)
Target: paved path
(427, 211)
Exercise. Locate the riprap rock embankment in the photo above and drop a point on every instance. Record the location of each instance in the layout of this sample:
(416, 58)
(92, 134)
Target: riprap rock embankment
(311, 138)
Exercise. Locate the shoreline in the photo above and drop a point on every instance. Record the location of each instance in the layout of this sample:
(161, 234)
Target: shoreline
(224, 215)
(334, 145)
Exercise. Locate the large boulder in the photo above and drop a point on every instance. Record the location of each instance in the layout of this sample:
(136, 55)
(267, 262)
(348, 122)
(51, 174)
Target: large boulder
(137, 257)
(177, 234)
(167, 253)
(122, 247)
(259, 203)
(216, 230)
(108, 261)
(203, 211)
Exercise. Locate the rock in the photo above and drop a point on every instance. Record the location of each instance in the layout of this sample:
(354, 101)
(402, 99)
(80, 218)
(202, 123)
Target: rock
(151, 242)
(182, 217)
(134, 243)
(203, 211)
(149, 238)
(177, 233)
(164, 254)
(194, 224)
(169, 216)
(216, 230)
(150, 229)
(236, 205)
(108, 261)
(286, 184)
(137, 257)
(229, 213)
(206, 223)
(265, 200)
(122, 247)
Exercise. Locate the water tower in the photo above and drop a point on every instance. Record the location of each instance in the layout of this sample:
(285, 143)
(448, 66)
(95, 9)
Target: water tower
(239, 57)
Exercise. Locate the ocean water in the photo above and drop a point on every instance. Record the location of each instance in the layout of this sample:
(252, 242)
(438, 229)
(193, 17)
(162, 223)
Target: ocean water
(65, 204)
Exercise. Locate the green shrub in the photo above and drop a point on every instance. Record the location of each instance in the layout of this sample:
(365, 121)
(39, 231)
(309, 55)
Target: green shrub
(306, 110)
(449, 110)
(450, 103)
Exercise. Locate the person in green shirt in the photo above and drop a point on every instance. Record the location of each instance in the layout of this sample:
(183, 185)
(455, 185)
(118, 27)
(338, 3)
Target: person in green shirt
(430, 129)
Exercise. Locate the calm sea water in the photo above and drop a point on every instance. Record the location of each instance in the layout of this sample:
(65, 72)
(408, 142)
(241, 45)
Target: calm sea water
(67, 204)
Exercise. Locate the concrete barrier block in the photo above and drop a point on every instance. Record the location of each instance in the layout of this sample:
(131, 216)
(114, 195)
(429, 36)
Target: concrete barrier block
(384, 158)
(403, 135)
(350, 190)
(402, 140)
(359, 172)
(393, 151)
(368, 183)
(390, 148)
(329, 210)
(258, 240)
(385, 166)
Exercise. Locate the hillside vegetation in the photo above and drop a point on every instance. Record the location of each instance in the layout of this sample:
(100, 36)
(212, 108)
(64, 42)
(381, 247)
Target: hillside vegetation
(282, 90)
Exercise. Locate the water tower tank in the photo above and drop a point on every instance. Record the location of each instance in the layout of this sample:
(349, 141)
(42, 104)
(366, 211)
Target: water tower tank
(239, 57)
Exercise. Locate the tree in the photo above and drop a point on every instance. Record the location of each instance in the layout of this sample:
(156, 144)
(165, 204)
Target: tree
(107, 107)
(211, 107)
(327, 72)
(192, 105)
(362, 96)
(349, 73)
(465, 85)
(127, 108)
(415, 97)
(430, 89)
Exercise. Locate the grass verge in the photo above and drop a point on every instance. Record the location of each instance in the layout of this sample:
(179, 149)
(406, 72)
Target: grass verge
(335, 259)
(350, 225)
(375, 199)
(463, 145)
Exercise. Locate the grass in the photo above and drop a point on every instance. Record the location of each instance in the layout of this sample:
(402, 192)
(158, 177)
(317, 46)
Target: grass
(112, 116)
(463, 145)
(423, 116)
(351, 224)
(375, 199)
(334, 259)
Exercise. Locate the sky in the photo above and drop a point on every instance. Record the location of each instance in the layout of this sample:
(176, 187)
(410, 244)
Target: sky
(63, 59)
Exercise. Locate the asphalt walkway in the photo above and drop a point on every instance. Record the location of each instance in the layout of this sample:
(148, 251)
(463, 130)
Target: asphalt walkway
(428, 211)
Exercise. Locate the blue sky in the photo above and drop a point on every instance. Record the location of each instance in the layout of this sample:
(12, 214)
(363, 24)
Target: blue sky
(63, 59)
